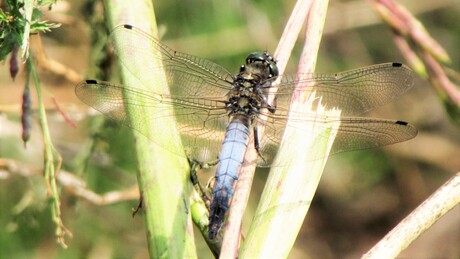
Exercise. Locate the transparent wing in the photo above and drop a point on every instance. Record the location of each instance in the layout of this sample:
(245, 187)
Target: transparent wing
(199, 88)
(187, 75)
(353, 134)
(353, 92)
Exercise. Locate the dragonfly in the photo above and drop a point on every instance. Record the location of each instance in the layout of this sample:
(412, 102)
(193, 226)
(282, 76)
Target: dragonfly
(216, 111)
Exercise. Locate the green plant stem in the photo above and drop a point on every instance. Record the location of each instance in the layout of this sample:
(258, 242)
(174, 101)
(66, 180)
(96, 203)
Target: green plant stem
(163, 177)
(50, 169)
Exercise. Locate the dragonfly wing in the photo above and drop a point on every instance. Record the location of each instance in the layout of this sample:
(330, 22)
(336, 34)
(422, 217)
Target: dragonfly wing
(202, 129)
(354, 92)
(363, 133)
(198, 89)
(353, 133)
(187, 75)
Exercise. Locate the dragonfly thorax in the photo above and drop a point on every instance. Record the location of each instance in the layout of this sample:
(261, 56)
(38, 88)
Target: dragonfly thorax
(247, 104)
(247, 96)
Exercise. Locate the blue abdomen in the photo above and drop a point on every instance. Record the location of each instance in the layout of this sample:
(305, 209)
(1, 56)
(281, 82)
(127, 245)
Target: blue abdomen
(230, 160)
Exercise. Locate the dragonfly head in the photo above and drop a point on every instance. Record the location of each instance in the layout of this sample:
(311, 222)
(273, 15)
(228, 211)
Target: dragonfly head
(264, 59)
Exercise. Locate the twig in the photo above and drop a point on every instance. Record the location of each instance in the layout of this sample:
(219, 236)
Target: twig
(73, 184)
(421, 219)
(52, 65)
(410, 32)
(64, 115)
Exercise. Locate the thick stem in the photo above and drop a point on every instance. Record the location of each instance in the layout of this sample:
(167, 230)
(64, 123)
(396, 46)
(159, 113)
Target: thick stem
(162, 176)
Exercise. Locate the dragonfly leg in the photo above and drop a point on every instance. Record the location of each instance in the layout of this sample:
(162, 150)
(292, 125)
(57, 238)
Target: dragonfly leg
(194, 167)
(271, 109)
(275, 103)
(139, 206)
(266, 104)
(208, 165)
(256, 143)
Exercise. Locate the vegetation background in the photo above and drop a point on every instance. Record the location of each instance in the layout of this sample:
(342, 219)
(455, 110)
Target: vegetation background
(362, 194)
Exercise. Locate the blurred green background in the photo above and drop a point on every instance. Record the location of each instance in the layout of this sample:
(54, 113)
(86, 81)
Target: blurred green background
(361, 196)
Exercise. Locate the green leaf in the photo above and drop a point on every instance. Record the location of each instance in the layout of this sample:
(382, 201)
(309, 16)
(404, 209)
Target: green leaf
(46, 2)
(43, 26)
(8, 40)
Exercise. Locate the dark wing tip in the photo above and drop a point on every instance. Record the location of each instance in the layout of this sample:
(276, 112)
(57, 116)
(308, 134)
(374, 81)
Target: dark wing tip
(91, 81)
(409, 129)
(402, 123)
(397, 64)
(127, 26)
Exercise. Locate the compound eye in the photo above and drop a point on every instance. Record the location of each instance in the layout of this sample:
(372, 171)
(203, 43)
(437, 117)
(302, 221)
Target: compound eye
(268, 57)
(274, 72)
(255, 56)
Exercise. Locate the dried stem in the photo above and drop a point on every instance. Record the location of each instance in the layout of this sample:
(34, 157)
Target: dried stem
(421, 219)
(52, 65)
(425, 54)
(281, 198)
(73, 184)
(232, 236)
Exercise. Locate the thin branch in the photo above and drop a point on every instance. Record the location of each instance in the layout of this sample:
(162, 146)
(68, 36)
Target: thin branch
(52, 65)
(72, 184)
(426, 56)
(421, 219)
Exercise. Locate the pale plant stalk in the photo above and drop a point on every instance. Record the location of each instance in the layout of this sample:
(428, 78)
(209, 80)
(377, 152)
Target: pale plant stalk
(421, 219)
(232, 235)
(425, 55)
(162, 176)
(290, 187)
